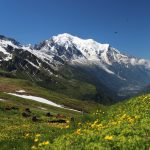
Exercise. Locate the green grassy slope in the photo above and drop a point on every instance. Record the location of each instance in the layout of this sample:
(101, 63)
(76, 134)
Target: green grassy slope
(15, 128)
(122, 126)
(11, 85)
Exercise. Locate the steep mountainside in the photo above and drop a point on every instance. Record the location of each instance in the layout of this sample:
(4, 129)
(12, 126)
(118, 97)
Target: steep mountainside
(80, 68)
(145, 90)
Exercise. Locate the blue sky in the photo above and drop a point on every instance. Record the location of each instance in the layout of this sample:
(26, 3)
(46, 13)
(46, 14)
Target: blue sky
(31, 21)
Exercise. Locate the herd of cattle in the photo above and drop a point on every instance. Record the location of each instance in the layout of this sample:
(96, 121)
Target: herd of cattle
(59, 118)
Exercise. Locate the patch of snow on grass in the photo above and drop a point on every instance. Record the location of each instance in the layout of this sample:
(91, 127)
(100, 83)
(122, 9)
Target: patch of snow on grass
(42, 108)
(2, 100)
(21, 91)
(42, 100)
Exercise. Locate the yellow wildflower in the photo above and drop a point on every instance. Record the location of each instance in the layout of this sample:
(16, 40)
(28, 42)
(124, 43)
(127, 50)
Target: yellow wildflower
(40, 144)
(38, 135)
(93, 125)
(46, 142)
(78, 131)
(27, 135)
(96, 121)
(79, 123)
(108, 137)
(33, 147)
(136, 117)
(67, 126)
(100, 126)
(35, 140)
(67, 121)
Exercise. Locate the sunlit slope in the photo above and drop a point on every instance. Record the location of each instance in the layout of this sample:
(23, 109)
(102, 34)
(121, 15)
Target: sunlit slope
(123, 126)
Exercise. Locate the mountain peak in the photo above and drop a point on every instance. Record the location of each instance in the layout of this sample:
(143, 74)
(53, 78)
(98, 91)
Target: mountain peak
(63, 39)
(67, 40)
(9, 40)
(67, 35)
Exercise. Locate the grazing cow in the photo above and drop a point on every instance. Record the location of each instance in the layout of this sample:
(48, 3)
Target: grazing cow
(27, 110)
(7, 108)
(49, 114)
(35, 119)
(72, 119)
(11, 108)
(25, 114)
(14, 108)
(57, 121)
(60, 116)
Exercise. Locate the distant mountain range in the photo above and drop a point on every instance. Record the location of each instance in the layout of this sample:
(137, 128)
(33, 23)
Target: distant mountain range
(79, 68)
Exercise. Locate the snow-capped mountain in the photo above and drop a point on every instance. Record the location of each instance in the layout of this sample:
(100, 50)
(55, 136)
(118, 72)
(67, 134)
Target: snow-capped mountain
(4, 44)
(74, 49)
(102, 63)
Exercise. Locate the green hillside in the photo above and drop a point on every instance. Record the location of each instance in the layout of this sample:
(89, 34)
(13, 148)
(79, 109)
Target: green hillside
(122, 126)
(12, 85)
